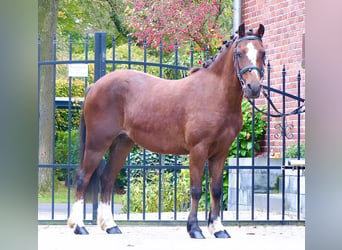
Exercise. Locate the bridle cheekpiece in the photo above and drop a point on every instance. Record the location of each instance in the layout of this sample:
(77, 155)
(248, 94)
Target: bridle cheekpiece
(240, 71)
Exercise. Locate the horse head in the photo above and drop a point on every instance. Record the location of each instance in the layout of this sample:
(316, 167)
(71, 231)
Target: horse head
(249, 60)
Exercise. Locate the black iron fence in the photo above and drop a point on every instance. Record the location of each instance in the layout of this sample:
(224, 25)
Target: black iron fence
(155, 188)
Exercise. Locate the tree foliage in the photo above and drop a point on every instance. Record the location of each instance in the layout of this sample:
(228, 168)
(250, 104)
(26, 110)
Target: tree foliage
(200, 21)
(80, 17)
(182, 20)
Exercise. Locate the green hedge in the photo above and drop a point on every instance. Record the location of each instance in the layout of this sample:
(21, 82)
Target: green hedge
(245, 136)
(292, 151)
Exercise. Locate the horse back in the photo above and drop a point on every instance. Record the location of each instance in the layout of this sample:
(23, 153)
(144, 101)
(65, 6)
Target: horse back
(165, 116)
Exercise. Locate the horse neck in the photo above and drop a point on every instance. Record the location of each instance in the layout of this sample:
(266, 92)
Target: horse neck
(223, 67)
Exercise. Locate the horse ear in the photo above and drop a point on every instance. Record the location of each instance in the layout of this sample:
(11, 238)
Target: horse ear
(242, 30)
(261, 30)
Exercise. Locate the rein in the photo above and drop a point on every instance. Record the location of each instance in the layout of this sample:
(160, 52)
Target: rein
(299, 110)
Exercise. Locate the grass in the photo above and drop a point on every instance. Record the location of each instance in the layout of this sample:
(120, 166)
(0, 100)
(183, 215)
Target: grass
(61, 195)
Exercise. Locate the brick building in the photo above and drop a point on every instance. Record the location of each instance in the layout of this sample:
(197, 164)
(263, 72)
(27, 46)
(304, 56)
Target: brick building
(284, 22)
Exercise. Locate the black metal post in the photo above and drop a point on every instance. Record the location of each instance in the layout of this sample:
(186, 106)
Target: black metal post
(176, 59)
(299, 153)
(145, 55)
(113, 52)
(160, 58)
(100, 70)
(129, 51)
(100, 55)
(253, 160)
(268, 138)
(284, 145)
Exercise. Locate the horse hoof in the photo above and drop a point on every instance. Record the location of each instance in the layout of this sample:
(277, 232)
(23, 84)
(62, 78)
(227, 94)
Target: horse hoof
(196, 235)
(114, 230)
(222, 234)
(80, 230)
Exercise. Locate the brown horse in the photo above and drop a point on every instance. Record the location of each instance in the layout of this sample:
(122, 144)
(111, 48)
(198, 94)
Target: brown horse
(199, 115)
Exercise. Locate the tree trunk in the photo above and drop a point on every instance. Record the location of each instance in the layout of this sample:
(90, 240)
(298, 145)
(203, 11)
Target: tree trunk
(47, 21)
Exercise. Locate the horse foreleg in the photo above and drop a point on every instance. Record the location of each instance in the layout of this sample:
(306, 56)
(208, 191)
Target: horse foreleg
(117, 156)
(197, 164)
(215, 226)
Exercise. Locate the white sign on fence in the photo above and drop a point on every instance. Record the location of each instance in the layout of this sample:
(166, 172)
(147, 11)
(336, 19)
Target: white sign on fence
(78, 70)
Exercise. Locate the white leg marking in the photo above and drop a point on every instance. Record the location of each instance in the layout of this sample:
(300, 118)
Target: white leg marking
(104, 216)
(216, 226)
(252, 55)
(76, 216)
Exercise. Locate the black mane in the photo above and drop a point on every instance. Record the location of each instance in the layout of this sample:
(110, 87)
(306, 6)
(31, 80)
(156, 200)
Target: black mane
(226, 44)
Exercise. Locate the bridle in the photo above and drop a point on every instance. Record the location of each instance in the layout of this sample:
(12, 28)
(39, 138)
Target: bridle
(240, 71)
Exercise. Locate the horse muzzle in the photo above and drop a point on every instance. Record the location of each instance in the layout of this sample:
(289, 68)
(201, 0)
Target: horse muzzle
(252, 90)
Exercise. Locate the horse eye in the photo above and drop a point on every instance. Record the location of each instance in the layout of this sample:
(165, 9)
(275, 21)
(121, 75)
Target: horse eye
(239, 54)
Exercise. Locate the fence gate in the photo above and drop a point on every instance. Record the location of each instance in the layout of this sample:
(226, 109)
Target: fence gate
(153, 187)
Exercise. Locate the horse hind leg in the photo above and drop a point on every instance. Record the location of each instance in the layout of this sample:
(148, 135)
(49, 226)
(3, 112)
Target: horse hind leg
(118, 152)
(90, 164)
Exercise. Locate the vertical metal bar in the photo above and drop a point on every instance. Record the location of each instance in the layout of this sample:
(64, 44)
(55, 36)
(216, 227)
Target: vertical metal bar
(283, 195)
(206, 190)
(160, 188)
(113, 52)
(129, 50)
(237, 176)
(85, 87)
(145, 57)
(253, 160)
(144, 185)
(160, 58)
(191, 55)
(298, 116)
(54, 127)
(69, 123)
(221, 199)
(298, 193)
(176, 59)
(175, 185)
(99, 71)
(298, 147)
(207, 52)
(128, 186)
(86, 44)
(268, 138)
(284, 144)
(100, 55)
(86, 79)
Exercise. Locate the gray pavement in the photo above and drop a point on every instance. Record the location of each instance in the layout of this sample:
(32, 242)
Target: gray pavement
(135, 237)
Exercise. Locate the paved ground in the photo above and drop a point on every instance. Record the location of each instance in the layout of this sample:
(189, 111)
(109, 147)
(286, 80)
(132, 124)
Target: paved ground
(172, 237)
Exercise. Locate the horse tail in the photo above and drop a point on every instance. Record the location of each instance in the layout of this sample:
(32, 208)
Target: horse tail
(93, 185)
(82, 130)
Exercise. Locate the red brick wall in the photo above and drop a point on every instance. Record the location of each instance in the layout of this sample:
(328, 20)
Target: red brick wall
(284, 22)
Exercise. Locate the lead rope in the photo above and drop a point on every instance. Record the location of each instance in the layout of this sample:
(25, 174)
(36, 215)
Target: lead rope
(299, 110)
